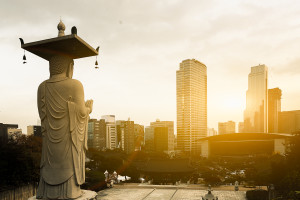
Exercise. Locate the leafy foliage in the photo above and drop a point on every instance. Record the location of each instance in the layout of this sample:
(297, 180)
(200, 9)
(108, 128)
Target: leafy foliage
(257, 195)
(20, 160)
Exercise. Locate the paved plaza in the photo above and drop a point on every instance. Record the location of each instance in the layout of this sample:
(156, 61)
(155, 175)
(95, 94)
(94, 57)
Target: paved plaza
(165, 194)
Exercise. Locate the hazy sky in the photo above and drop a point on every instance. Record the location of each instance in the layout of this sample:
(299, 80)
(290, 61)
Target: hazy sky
(142, 43)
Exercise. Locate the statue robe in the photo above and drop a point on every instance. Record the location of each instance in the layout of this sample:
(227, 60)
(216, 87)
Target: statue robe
(64, 130)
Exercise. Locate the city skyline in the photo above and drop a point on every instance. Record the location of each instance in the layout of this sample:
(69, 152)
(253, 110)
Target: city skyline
(141, 44)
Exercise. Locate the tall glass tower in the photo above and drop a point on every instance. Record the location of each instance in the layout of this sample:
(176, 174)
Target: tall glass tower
(256, 113)
(191, 93)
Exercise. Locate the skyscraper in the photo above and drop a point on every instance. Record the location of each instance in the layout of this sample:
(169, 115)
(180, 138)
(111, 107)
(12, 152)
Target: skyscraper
(274, 107)
(191, 93)
(256, 113)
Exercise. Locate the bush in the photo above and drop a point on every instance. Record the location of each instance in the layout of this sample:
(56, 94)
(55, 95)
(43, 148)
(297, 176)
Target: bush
(95, 180)
(257, 195)
(20, 161)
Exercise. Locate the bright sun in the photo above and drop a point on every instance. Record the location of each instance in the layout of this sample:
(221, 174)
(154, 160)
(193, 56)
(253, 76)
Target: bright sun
(232, 103)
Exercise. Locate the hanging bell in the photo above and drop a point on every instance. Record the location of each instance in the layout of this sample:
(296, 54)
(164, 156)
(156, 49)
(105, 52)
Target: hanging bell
(24, 58)
(96, 65)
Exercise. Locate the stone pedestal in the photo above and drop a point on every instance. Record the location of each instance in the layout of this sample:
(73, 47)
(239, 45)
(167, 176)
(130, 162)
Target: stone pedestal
(87, 195)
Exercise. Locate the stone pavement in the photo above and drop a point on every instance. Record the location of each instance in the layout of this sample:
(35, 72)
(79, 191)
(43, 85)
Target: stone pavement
(165, 194)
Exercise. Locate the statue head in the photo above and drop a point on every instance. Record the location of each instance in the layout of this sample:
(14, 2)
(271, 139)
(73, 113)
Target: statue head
(61, 65)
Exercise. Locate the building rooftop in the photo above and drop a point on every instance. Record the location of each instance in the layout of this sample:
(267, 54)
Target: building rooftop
(167, 166)
(246, 136)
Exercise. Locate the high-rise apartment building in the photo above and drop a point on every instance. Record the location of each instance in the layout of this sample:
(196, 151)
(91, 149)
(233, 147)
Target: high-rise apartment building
(149, 138)
(211, 132)
(226, 127)
(90, 134)
(34, 130)
(127, 134)
(191, 93)
(139, 136)
(289, 121)
(170, 133)
(241, 127)
(161, 139)
(221, 128)
(111, 131)
(97, 134)
(120, 134)
(274, 107)
(256, 112)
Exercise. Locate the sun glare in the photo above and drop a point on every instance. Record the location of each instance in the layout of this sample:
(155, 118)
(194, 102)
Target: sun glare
(232, 103)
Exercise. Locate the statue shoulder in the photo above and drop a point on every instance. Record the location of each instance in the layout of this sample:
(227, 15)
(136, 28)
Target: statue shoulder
(42, 83)
(75, 84)
(75, 81)
(41, 86)
(76, 91)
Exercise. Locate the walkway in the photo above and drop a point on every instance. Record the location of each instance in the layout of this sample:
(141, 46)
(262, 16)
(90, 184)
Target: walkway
(165, 194)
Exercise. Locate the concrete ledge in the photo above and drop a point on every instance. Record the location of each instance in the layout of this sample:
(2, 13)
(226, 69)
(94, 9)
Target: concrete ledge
(87, 195)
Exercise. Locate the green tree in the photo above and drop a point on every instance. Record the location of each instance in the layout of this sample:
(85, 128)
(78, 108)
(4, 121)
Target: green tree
(286, 170)
(19, 160)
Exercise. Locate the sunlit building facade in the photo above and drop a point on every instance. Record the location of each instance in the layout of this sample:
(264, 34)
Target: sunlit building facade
(191, 93)
(149, 138)
(243, 145)
(34, 130)
(241, 127)
(211, 132)
(274, 107)
(226, 127)
(126, 133)
(289, 121)
(256, 113)
(111, 131)
(161, 139)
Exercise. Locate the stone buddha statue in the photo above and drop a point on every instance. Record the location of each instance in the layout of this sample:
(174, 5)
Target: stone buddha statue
(64, 117)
